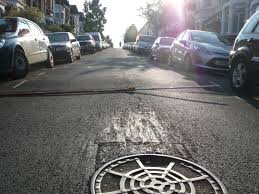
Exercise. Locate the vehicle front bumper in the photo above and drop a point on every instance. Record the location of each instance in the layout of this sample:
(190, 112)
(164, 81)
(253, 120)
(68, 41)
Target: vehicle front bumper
(6, 60)
(218, 62)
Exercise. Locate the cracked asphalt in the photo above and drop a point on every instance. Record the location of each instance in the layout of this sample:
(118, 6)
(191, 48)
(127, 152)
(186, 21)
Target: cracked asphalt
(54, 144)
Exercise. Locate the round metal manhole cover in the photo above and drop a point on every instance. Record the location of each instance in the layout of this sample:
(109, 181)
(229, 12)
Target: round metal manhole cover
(152, 173)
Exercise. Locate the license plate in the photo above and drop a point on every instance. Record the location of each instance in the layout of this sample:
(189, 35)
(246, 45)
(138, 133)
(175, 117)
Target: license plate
(221, 63)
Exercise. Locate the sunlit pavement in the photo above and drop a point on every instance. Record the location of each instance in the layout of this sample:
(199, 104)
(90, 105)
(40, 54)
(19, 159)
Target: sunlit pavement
(54, 143)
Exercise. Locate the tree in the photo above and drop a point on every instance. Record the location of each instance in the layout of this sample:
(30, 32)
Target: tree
(109, 40)
(95, 16)
(30, 13)
(131, 34)
(153, 13)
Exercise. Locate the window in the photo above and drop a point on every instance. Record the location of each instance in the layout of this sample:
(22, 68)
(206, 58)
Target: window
(179, 37)
(34, 29)
(186, 36)
(251, 24)
(23, 25)
(71, 36)
(256, 29)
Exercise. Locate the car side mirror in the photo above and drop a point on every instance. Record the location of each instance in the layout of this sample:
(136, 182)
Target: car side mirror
(73, 40)
(23, 32)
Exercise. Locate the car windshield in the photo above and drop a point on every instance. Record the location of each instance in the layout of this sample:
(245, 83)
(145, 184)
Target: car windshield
(96, 38)
(149, 39)
(58, 37)
(166, 41)
(8, 25)
(82, 38)
(208, 37)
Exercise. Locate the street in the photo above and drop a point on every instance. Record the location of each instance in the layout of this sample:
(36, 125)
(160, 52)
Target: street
(54, 142)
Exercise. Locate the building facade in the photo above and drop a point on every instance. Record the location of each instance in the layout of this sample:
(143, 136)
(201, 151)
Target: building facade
(15, 3)
(75, 18)
(222, 16)
(2, 8)
(62, 11)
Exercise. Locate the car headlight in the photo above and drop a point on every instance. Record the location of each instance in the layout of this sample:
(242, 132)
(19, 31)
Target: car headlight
(2, 42)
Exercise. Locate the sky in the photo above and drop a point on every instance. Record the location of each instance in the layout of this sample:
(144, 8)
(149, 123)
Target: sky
(120, 15)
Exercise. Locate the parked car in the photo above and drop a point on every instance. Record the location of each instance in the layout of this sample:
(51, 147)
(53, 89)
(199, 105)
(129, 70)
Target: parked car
(98, 40)
(201, 49)
(144, 44)
(161, 48)
(244, 58)
(64, 46)
(22, 43)
(87, 43)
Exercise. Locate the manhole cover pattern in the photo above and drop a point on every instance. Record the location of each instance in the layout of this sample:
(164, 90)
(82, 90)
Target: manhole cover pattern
(140, 174)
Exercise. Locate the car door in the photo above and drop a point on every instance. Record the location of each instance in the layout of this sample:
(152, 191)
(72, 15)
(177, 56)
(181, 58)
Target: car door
(35, 45)
(43, 43)
(184, 45)
(253, 41)
(25, 39)
(176, 47)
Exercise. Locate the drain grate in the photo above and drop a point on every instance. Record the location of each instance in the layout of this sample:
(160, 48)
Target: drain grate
(153, 173)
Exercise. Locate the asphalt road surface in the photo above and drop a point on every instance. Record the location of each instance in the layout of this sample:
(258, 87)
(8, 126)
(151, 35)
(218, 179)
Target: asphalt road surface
(53, 143)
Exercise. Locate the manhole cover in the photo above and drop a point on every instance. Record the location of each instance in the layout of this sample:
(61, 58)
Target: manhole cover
(152, 173)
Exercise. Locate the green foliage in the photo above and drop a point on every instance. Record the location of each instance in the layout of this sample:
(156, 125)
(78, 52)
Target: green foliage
(153, 13)
(54, 28)
(68, 28)
(131, 34)
(30, 13)
(95, 16)
(109, 40)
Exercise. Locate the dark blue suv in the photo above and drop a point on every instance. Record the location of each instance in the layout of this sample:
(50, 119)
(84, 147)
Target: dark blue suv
(244, 58)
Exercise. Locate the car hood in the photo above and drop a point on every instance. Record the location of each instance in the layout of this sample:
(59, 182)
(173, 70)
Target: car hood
(56, 44)
(216, 48)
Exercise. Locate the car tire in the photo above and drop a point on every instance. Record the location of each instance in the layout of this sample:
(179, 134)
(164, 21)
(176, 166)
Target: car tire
(187, 63)
(239, 78)
(71, 57)
(20, 65)
(50, 59)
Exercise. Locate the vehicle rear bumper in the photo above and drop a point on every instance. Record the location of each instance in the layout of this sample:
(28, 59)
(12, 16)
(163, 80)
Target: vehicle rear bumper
(5, 60)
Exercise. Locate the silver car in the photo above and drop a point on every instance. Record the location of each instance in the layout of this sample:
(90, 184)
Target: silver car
(22, 43)
(201, 49)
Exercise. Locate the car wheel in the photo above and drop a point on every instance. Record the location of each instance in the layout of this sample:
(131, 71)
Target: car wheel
(50, 60)
(187, 63)
(71, 57)
(239, 76)
(20, 65)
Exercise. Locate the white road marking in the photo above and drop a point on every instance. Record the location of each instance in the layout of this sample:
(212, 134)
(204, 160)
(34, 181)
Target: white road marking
(21, 83)
(40, 74)
(138, 127)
